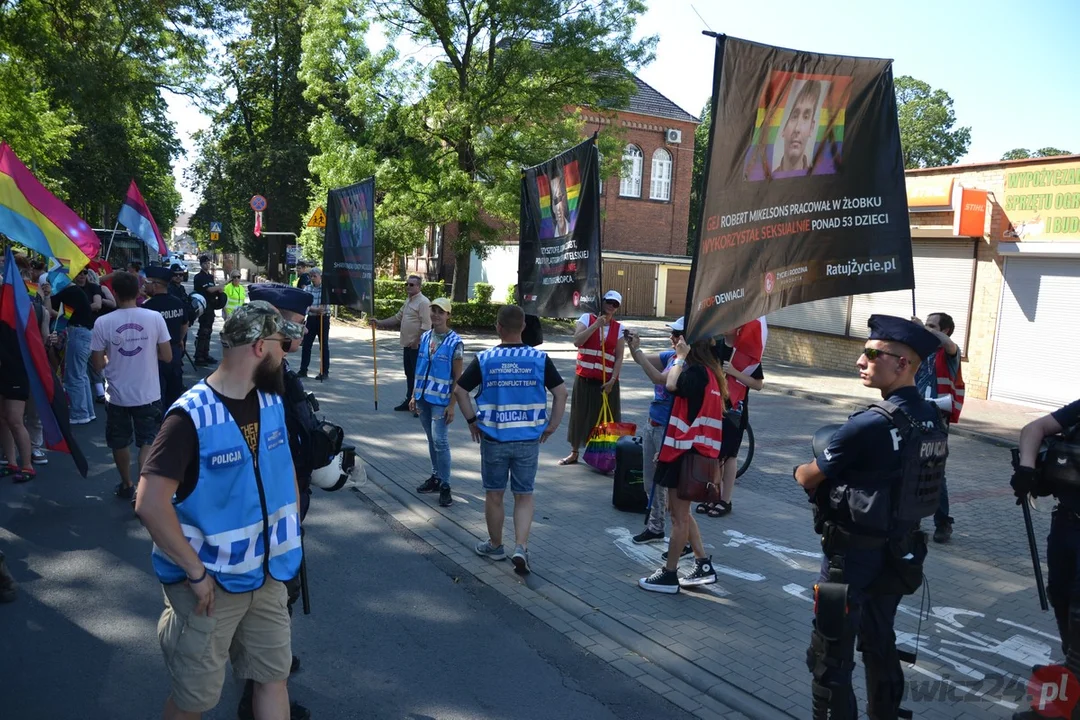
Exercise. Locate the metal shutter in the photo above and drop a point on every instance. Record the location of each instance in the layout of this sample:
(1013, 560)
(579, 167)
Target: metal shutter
(824, 316)
(944, 273)
(1037, 333)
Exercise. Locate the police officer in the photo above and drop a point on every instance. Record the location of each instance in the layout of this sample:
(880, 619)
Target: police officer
(875, 478)
(175, 313)
(300, 423)
(1063, 543)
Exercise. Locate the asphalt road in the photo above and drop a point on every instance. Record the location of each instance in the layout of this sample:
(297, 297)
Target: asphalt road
(397, 630)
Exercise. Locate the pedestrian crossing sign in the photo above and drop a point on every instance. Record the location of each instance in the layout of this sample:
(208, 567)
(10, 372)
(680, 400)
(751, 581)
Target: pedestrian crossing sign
(318, 218)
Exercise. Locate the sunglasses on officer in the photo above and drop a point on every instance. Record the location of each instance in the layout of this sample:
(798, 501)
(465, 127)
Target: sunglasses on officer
(873, 354)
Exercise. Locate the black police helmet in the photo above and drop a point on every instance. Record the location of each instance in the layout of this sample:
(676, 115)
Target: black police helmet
(823, 437)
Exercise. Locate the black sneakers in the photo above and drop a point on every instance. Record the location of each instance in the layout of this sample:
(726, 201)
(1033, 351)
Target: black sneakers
(687, 550)
(432, 484)
(124, 492)
(403, 407)
(943, 532)
(661, 581)
(445, 498)
(703, 574)
(8, 588)
(647, 536)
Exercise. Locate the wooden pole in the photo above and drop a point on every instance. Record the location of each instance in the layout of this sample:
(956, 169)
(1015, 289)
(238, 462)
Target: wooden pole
(375, 367)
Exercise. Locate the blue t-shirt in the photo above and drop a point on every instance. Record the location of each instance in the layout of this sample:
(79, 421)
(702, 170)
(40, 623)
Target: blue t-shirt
(660, 408)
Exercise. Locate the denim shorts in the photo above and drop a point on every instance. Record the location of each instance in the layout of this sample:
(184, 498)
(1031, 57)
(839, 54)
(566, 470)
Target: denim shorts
(121, 422)
(516, 461)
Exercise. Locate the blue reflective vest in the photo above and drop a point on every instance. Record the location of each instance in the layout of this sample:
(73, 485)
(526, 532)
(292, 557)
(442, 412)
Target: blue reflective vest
(512, 403)
(224, 519)
(660, 407)
(434, 373)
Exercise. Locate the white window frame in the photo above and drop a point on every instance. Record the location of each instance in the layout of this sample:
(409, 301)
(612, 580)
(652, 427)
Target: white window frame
(633, 160)
(660, 182)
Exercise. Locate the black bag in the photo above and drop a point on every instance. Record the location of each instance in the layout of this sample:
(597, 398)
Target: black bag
(903, 573)
(326, 440)
(628, 487)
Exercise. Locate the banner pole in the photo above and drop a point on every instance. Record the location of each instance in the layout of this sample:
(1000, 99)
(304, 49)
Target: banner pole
(913, 312)
(111, 237)
(375, 367)
(324, 321)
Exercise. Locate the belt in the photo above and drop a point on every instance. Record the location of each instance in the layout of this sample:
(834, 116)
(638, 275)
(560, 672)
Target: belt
(838, 540)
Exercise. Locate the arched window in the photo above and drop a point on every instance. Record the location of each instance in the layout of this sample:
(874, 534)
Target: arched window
(660, 187)
(630, 185)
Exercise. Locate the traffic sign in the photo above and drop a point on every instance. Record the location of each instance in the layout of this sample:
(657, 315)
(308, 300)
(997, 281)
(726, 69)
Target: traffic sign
(318, 218)
(214, 236)
(215, 227)
(258, 203)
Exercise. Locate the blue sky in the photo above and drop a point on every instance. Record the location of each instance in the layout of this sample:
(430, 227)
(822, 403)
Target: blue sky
(1011, 67)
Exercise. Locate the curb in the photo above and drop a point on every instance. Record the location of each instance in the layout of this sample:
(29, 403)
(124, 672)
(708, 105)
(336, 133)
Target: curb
(824, 399)
(717, 688)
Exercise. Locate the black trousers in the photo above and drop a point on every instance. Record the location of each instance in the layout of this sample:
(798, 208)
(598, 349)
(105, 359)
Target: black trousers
(410, 355)
(202, 339)
(317, 326)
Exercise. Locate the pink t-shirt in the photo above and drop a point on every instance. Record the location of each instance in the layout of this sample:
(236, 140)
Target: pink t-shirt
(130, 337)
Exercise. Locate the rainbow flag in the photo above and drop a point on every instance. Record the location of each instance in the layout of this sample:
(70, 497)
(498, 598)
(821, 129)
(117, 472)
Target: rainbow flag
(63, 317)
(136, 217)
(774, 106)
(34, 217)
(32, 288)
(571, 179)
(16, 311)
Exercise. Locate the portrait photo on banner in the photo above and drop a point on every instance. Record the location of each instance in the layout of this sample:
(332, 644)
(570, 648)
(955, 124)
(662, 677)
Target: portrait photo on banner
(799, 126)
(559, 194)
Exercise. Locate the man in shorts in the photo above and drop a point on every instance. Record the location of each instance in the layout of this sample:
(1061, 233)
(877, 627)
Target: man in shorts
(126, 346)
(510, 423)
(219, 497)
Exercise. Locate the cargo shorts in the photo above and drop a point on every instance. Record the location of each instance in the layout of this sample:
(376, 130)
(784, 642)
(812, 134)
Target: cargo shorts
(250, 629)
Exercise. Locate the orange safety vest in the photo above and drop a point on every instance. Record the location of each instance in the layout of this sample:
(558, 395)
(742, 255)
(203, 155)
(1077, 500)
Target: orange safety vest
(704, 434)
(589, 355)
(948, 385)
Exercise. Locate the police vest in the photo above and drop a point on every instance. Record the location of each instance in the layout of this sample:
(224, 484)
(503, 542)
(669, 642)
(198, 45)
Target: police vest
(434, 373)
(704, 433)
(887, 503)
(237, 296)
(596, 361)
(257, 534)
(660, 407)
(173, 310)
(512, 404)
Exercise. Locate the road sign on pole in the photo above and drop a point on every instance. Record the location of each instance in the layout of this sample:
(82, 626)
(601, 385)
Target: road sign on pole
(258, 203)
(318, 219)
(215, 227)
(214, 236)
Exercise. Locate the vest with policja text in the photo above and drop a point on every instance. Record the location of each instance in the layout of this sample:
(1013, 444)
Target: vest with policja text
(512, 403)
(703, 435)
(596, 360)
(242, 518)
(434, 372)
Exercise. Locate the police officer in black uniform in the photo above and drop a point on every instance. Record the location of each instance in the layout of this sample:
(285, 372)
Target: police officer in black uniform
(1061, 479)
(300, 422)
(876, 477)
(175, 312)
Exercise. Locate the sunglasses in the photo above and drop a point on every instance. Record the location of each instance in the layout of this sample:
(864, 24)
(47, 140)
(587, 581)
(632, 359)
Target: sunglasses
(286, 343)
(612, 302)
(873, 354)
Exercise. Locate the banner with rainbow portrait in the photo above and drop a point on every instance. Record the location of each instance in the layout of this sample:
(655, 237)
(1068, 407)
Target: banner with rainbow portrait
(804, 193)
(559, 245)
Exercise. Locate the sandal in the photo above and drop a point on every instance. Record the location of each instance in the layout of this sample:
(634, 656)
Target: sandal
(720, 509)
(703, 508)
(570, 459)
(8, 470)
(23, 475)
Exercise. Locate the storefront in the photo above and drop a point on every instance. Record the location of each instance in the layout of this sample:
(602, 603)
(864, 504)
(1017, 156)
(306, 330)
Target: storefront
(995, 246)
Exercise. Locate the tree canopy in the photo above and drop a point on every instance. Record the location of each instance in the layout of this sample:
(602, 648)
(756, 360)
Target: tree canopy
(928, 132)
(1024, 153)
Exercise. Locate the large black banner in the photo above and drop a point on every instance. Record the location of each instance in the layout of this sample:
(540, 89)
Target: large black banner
(349, 247)
(559, 248)
(804, 195)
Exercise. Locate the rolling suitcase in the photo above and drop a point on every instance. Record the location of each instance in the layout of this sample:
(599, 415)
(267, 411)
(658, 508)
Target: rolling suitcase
(628, 487)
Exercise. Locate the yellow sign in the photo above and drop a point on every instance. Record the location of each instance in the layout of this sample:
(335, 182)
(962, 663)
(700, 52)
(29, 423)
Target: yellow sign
(318, 218)
(214, 237)
(1042, 202)
(932, 193)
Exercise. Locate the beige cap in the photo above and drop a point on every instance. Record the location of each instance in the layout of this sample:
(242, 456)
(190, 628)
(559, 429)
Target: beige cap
(443, 304)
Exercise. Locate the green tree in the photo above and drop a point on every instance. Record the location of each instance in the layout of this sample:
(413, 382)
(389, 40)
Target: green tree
(499, 98)
(927, 125)
(1024, 153)
(697, 184)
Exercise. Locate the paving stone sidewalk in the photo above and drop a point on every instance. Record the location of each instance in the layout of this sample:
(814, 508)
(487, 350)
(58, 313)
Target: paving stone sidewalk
(736, 649)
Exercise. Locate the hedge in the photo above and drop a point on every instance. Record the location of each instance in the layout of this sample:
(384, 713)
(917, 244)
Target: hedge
(482, 292)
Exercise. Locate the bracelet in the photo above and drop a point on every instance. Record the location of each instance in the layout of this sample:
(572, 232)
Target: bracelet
(196, 582)
(471, 421)
(678, 361)
(794, 470)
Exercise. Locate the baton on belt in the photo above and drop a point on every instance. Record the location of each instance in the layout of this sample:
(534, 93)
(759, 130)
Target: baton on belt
(1036, 565)
(304, 587)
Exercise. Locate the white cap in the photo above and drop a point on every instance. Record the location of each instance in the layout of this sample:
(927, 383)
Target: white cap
(613, 295)
(677, 326)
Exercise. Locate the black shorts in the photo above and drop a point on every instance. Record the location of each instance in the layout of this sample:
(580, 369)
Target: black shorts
(731, 440)
(14, 386)
(121, 423)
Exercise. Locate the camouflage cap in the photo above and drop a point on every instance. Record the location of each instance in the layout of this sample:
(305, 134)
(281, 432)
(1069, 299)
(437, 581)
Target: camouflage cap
(254, 321)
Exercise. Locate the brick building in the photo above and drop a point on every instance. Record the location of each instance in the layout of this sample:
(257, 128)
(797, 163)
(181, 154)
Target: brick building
(645, 213)
(997, 246)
